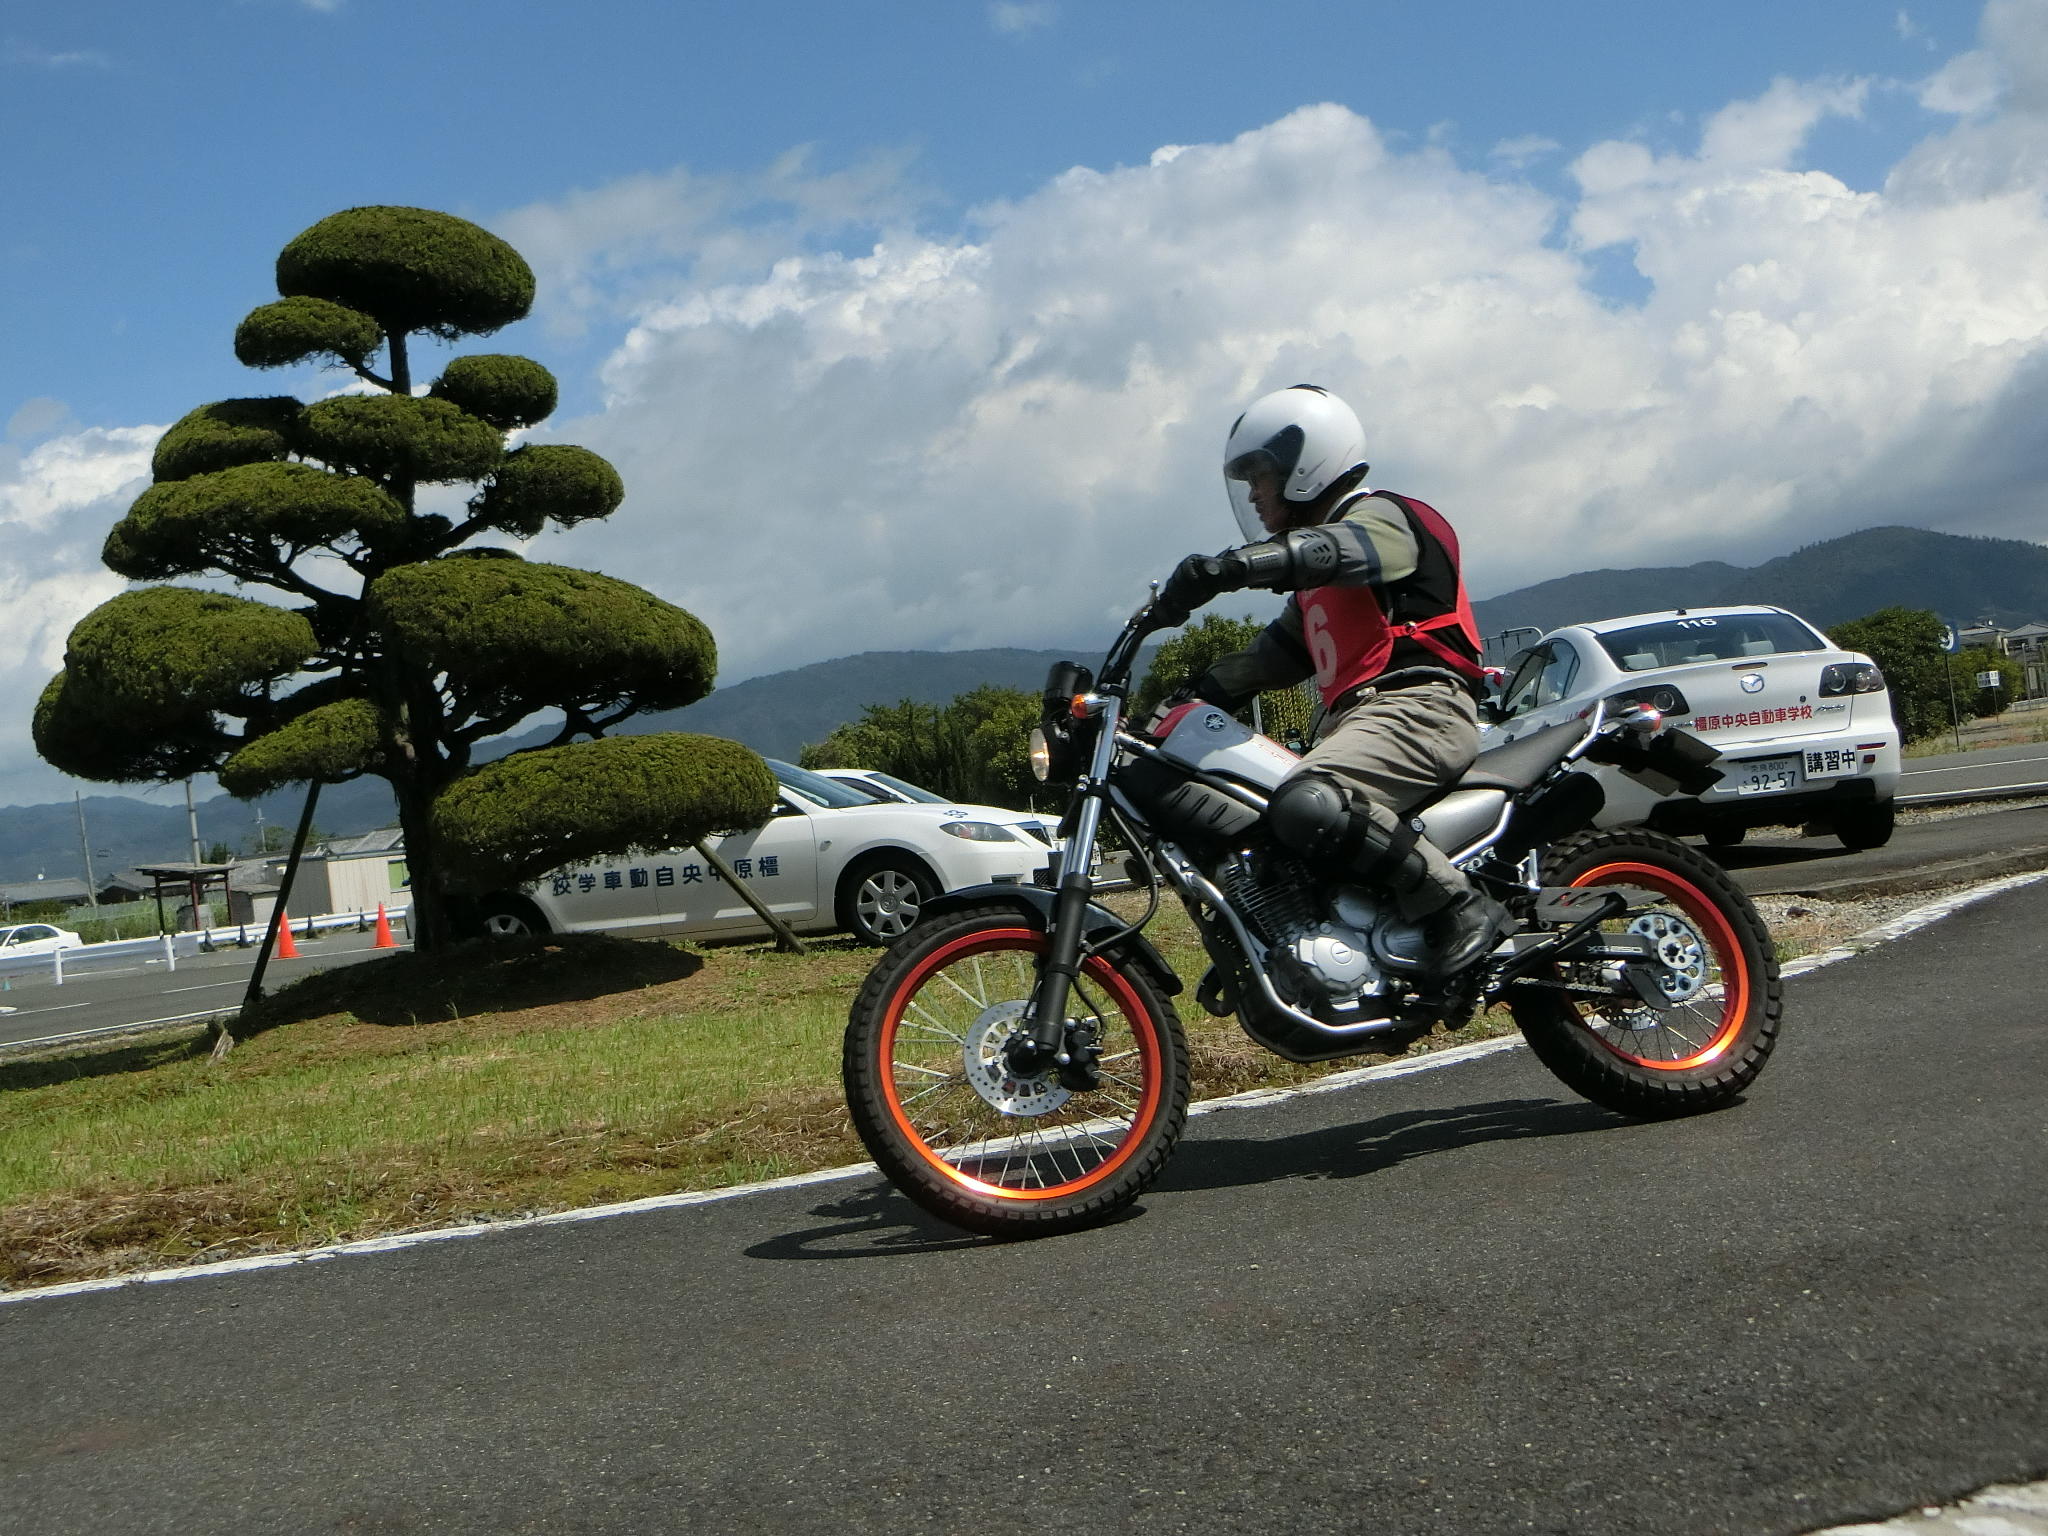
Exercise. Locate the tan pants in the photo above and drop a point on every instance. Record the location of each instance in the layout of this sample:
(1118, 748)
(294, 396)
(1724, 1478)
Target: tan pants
(1396, 749)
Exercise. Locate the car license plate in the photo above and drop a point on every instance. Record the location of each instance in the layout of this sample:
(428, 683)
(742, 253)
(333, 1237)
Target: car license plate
(1766, 775)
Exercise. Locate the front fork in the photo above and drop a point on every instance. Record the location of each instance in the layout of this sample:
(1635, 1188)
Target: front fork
(1046, 1041)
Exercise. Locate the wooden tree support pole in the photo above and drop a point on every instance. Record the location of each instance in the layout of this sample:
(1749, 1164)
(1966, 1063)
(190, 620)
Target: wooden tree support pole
(223, 1040)
(785, 938)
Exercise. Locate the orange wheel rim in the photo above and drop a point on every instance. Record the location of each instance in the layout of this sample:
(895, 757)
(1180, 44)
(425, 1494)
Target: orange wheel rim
(1098, 1144)
(1724, 948)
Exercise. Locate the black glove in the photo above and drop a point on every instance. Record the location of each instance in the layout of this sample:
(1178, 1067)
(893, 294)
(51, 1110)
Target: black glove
(1194, 581)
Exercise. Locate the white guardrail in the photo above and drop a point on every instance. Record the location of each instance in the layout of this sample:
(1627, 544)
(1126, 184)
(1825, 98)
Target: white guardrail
(167, 949)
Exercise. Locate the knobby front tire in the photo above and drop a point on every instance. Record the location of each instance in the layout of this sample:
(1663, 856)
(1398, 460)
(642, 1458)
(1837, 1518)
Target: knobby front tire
(1723, 977)
(970, 1142)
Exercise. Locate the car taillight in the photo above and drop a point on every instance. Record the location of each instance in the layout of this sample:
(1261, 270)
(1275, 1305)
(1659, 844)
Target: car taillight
(1662, 697)
(1840, 677)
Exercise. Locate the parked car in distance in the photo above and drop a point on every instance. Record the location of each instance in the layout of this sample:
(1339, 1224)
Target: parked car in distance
(886, 786)
(1804, 728)
(830, 857)
(36, 939)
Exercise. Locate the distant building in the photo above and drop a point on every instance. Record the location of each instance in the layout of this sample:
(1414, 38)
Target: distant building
(21, 893)
(350, 874)
(2028, 645)
(2025, 643)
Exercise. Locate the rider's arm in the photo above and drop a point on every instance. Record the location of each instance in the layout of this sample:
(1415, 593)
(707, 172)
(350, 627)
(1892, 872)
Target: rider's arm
(1371, 545)
(1278, 658)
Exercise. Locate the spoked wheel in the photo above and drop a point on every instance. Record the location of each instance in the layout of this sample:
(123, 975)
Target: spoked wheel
(1712, 960)
(975, 1143)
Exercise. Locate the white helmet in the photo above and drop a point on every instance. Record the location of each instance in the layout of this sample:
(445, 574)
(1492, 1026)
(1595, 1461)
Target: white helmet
(1304, 435)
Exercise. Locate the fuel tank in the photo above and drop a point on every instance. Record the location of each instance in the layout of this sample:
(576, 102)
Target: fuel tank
(1203, 737)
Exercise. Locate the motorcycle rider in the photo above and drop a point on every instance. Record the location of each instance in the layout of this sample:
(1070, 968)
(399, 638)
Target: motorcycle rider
(1379, 617)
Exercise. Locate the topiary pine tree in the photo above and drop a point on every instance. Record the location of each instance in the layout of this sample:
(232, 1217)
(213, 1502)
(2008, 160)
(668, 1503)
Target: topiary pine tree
(401, 651)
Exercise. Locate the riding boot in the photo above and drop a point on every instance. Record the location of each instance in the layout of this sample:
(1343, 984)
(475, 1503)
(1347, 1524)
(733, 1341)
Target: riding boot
(1464, 931)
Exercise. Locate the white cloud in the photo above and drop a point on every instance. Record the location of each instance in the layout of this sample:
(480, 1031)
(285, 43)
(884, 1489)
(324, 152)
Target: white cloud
(57, 502)
(1524, 150)
(1016, 17)
(35, 57)
(996, 439)
(603, 250)
(2000, 92)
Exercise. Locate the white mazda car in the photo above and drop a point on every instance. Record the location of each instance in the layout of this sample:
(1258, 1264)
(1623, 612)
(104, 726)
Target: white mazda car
(830, 857)
(887, 787)
(1805, 729)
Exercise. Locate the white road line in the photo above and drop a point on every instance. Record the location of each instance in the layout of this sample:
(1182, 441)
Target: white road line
(2004, 1509)
(1898, 928)
(1914, 773)
(205, 986)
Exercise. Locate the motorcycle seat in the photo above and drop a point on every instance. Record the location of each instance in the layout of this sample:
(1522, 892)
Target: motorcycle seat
(1521, 763)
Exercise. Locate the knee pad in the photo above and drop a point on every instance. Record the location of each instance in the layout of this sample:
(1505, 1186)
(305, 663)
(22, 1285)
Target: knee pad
(1313, 815)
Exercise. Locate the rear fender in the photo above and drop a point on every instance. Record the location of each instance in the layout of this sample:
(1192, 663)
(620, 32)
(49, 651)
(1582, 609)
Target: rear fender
(1035, 904)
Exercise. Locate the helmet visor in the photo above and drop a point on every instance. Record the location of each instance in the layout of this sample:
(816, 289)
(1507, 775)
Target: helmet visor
(1260, 474)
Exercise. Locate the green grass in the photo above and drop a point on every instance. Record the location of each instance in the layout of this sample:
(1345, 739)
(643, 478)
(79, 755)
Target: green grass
(415, 1091)
(2003, 731)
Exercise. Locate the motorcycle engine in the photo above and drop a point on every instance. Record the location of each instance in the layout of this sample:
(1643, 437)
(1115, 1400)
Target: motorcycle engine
(1322, 948)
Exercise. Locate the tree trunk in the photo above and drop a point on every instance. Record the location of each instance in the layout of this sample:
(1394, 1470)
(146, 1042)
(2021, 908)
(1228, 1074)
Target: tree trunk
(432, 923)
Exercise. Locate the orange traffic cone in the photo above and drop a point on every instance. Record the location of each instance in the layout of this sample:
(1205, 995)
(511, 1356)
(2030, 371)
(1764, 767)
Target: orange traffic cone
(286, 949)
(384, 939)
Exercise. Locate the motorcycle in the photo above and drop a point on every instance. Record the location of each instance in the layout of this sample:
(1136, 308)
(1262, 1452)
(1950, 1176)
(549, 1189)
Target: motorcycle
(1015, 1063)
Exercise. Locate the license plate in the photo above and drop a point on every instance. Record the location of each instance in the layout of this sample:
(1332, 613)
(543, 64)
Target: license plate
(1831, 763)
(1766, 775)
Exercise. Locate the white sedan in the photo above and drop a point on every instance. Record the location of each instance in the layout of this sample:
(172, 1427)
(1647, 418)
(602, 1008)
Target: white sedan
(35, 939)
(830, 857)
(1805, 729)
(887, 787)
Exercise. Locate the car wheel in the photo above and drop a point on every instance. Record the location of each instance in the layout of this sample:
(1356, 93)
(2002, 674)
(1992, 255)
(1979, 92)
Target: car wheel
(508, 917)
(1867, 826)
(1725, 837)
(880, 898)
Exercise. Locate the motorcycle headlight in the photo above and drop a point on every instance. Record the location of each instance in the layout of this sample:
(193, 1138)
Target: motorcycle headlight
(978, 831)
(1040, 753)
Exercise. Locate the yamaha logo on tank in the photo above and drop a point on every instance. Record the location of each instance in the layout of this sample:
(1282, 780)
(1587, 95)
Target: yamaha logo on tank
(1216, 721)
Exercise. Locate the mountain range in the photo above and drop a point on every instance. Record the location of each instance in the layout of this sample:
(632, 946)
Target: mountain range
(1963, 579)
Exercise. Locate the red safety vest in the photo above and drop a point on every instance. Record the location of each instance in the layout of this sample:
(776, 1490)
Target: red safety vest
(1350, 634)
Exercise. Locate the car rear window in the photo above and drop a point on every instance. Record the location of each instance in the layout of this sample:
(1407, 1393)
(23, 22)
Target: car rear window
(1711, 637)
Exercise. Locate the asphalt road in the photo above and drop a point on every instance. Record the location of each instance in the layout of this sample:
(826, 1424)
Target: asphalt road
(1452, 1302)
(1953, 850)
(1990, 768)
(145, 991)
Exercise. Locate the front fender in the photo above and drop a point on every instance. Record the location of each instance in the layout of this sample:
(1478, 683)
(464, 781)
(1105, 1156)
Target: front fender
(1035, 903)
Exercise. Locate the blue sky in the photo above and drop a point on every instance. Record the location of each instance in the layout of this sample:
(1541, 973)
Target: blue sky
(919, 325)
(157, 155)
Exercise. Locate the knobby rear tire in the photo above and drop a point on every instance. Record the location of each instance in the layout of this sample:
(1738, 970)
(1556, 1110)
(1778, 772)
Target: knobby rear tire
(920, 1037)
(1637, 1061)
